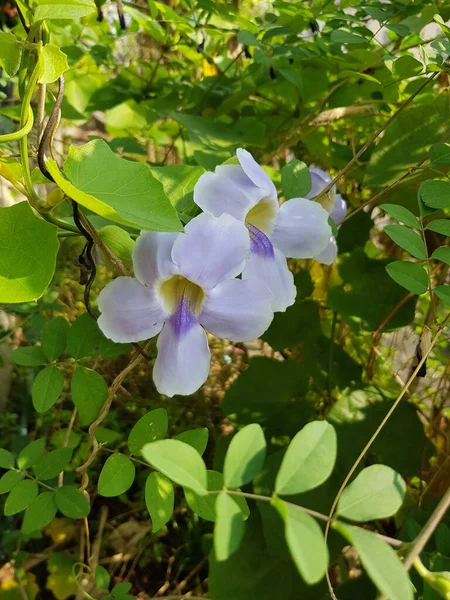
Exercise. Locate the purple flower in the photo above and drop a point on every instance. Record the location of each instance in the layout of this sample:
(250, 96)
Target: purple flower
(297, 229)
(185, 282)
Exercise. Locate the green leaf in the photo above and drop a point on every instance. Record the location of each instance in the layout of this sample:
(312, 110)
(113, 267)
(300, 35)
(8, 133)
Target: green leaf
(440, 226)
(443, 292)
(10, 52)
(435, 193)
(47, 388)
(9, 480)
(376, 493)
(115, 188)
(86, 339)
(398, 28)
(440, 154)
(295, 180)
(63, 9)
(178, 182)
(40, 512)
(55, 63)
(55, 338)
(409, 275)
(380, 561)
(341, 36)
(30, 356)
(402, 214)
(309, 459)
(405, 67)
(102, 578)
(116, 476)
(247, 38)
(407, 239)
(53, 463)
(197, 438)
(178, 461)
(229, 528)
(6, 459)
(71, 502)
(31, 454)
(119, 242)
(151, 427)
(89, 393)
(28, 257)
(442, 254)
(159, 499)
(245, 456)
(20, 497)
(305, 541)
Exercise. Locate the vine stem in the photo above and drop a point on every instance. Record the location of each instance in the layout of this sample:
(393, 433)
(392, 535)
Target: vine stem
(377, 432)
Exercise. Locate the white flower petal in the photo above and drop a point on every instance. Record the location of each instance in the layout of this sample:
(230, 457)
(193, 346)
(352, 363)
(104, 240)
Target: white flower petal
(238, 309)
(130, 311)
(328, 255)
(302, 229)
(255, 172)
(339, 209)
(274, 272)
(228, 190)
(182, 365)
(319, 180)
(152, 256)
(212, 249)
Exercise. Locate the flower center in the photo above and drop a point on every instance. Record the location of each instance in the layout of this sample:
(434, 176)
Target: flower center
(172, 291)
(262, 215)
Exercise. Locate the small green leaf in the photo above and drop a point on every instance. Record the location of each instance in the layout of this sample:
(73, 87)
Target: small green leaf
(102, 578)
(440, 226)
(402, 214)
(305, 541)
(10, 52)
(55, 338)
(407, 239)
(398, 28)
(31, 356)
(178, 461)
(341, 36)
(20, 497)
(159, 499)
(309, 459)
(119, 242)
(247, 38)
(409, 275)
(89, 393)
(117, 476)
(40, 512)
(31, 454)
(405, 67)
(151, 427)
(381, 562)
(442, 254)
(443, 292)
(295, 180)
(84, 337)
(197, 438)
(440, 154)
(229, 528)
(63, 9)
(245, 456)
(435, 193)
(9, 480)
(55, 63)
(6, 459)
(376, 493)
(47, 388)
(71, 502)
(53, 463)
(27, 266)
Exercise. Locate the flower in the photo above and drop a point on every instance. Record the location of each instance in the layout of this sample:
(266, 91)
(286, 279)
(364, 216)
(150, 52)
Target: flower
(333, 203)
(298, 228)
(184, 282)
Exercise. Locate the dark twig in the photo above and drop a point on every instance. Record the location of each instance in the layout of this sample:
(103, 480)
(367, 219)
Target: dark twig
(85, 261)
(53, 119)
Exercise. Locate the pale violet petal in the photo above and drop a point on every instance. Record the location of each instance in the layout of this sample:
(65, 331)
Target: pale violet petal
(339, 209)
(228, 190)
(302, 229)
(129, 311)
(183, 360)
(319, 180)
(152, 256)
(238, 309)
(256, 173)
(272, 269)
(328, 255)
(211, 249)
